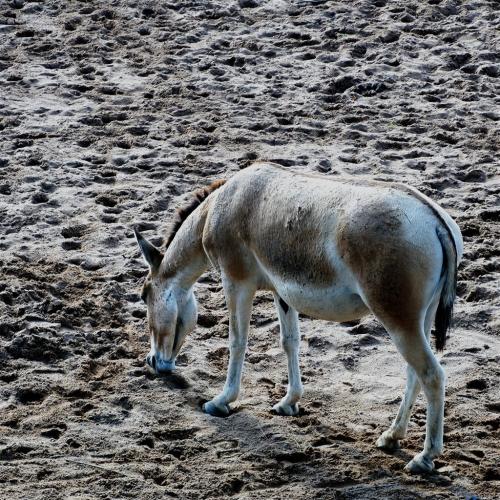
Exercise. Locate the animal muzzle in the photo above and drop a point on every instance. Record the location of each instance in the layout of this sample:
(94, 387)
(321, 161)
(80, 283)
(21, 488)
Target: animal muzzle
(160, 365)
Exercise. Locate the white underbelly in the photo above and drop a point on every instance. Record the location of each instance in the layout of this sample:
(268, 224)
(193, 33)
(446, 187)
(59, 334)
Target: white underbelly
(339, 301)
(331, 304)
(336, 303)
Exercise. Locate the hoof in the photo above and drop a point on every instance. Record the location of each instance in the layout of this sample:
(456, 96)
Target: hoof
(286, 410)
(386, 442)
(216, 410)
(420, 465)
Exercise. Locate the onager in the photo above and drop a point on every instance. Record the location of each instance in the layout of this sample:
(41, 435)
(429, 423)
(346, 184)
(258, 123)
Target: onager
(330, 248)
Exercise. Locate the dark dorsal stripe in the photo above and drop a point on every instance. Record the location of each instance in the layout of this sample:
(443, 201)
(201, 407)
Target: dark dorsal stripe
(198, 197)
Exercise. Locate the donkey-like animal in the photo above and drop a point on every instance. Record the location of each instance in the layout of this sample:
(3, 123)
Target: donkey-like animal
(330, 248)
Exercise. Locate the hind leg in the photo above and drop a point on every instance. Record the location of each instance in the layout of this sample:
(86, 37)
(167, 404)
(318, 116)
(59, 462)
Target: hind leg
(413, 346)
(432, 378)
(389, 439)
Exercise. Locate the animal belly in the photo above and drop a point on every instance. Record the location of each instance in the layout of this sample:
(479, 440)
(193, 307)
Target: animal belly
(335, 304)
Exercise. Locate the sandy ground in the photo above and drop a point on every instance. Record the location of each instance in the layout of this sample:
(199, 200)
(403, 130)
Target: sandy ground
(109, 113)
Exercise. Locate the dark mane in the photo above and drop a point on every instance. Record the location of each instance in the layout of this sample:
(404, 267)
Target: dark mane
(182, 213)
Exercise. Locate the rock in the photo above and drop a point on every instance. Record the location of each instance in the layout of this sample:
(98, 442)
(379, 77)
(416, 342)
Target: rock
(341, 84)
(71, 245)
(473, 175)
(447, 469)
(248, 4)
(494, 406)
(324, 165)
(207, 320)
(39, 198)
(479, 384)
(90, 264)
(491, 70)
(390, 37)
(75, 230)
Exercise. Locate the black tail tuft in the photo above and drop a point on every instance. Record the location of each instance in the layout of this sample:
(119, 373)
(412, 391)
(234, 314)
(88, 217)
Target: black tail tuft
(444, 313)
(442, 323)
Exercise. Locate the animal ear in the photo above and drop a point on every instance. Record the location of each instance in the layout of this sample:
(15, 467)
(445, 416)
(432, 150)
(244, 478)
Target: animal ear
(151, 254)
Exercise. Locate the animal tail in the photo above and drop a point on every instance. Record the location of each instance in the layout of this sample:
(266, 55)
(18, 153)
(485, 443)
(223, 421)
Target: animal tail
(444, 313)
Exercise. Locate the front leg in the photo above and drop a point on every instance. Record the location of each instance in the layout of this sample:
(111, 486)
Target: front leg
(290, 340)
(239, 302)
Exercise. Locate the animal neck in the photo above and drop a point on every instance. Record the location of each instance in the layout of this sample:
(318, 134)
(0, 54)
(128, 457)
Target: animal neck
(185, 258)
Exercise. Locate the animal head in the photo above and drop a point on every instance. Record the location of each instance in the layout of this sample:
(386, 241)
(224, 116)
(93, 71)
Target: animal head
(172, 311)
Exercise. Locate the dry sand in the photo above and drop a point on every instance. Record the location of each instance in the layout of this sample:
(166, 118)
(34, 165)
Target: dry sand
(109, 113)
